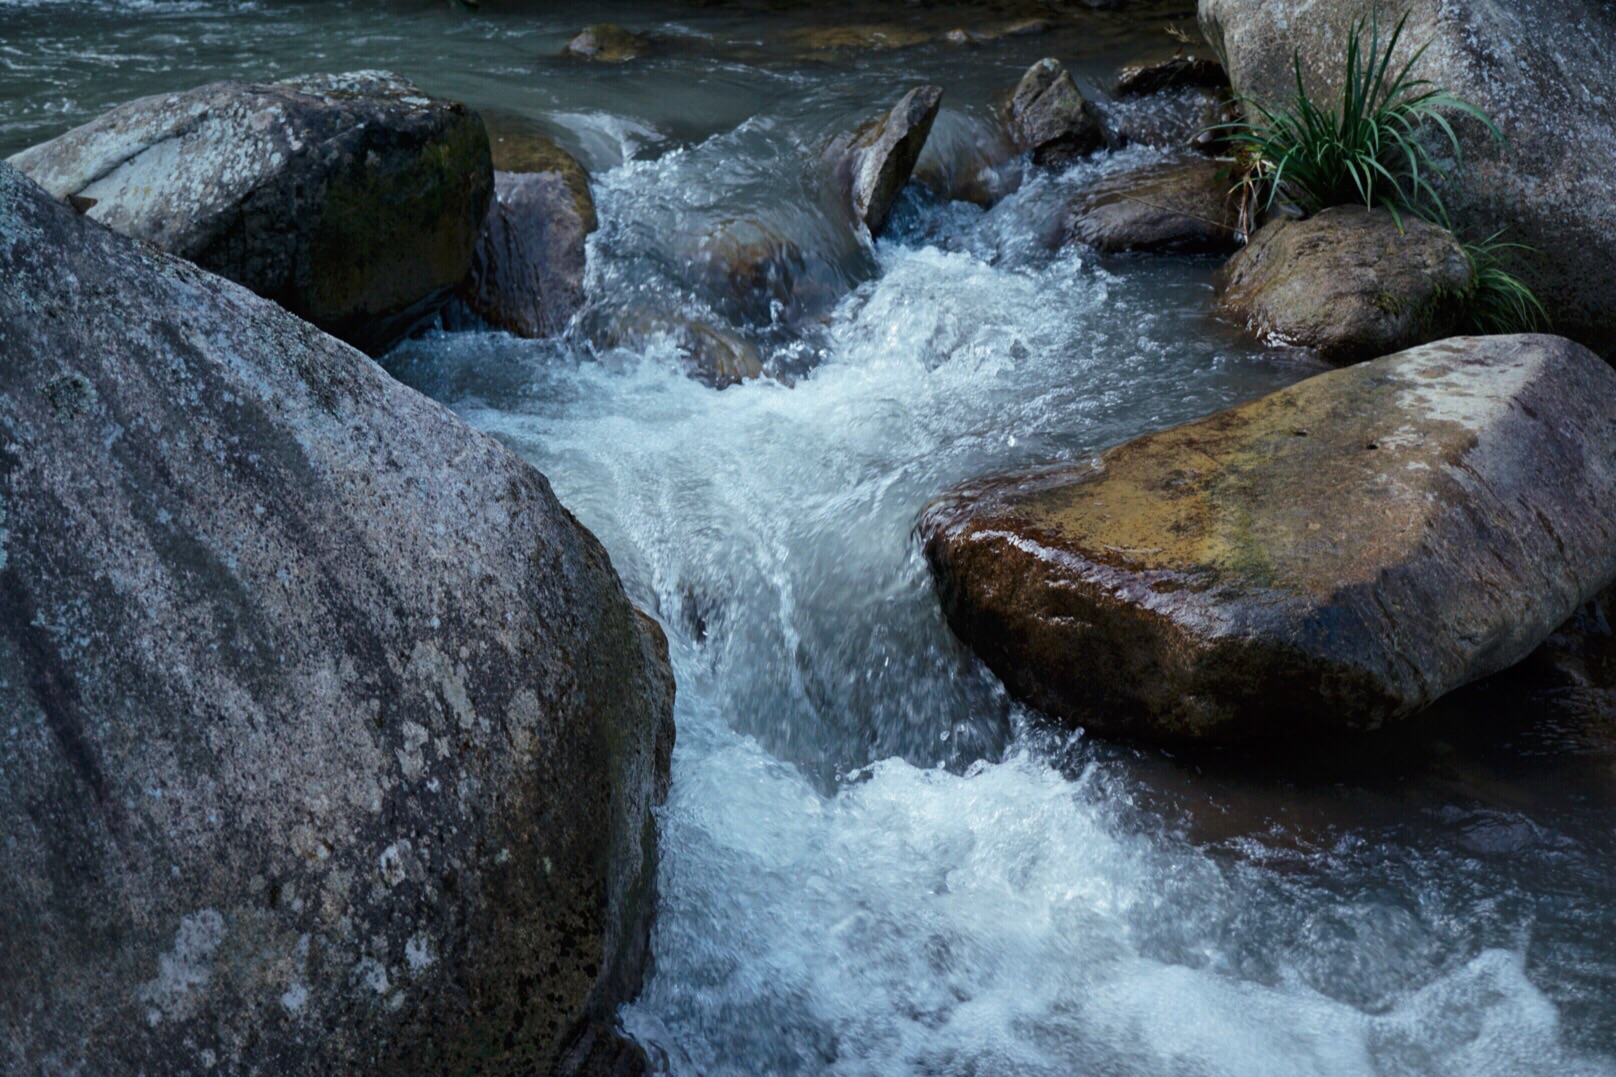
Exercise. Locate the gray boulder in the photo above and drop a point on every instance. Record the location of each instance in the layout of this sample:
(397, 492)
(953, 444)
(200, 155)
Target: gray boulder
(353, 201)
(330, 738)
(1335, 556)
(1051, 119)
(1350, 283)
(1183, 208)
(1540, 68)
(872, 164)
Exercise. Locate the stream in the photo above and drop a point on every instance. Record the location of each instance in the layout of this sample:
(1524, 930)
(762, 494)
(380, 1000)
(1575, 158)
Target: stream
(873, 861)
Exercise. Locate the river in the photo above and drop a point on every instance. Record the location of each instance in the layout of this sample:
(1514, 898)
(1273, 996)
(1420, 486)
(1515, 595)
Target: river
(872, 861)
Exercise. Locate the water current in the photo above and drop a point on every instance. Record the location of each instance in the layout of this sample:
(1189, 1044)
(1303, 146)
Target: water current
(872, 861)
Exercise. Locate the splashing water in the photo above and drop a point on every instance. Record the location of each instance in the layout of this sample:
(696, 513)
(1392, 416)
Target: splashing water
(871, 861)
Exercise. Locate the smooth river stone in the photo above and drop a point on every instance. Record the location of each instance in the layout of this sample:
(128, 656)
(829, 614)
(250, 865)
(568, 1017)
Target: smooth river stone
(1334, 556)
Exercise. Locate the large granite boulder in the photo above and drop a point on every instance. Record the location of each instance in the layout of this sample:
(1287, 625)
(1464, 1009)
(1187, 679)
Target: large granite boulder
(1334, 556)
(1049, 117)
(1183, 207)
(330, 739)
(1540, 68)
(1350, 283)
(871, 165)
(527, 271)
(351, 200)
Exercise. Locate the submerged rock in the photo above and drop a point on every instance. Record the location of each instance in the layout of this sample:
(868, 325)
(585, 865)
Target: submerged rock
(527, 272)
(1050, 118)
(714, 355)
(607, 43)
(1180, 208)
(1335, 556)
(816, 41)
(1540, 68)
(966, 160)
(332, 737)
(352, 200)
(1179, 72)
(1176, 120)
(1350, 283)
(872, 165)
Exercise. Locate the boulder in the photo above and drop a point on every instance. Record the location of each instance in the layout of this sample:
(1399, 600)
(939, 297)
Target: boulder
(872, 164)
(1180, 208)
(1540, 68)
(527, 272)
(1350, 283)
(331, 739)
(607, 43)
(1176, 73)
(1334, 556)
(353, 201)
(1051, 119)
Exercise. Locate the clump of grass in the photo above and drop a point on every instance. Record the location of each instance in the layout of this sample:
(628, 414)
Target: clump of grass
(1367, 147)
(1501, 302)
(1372, 147)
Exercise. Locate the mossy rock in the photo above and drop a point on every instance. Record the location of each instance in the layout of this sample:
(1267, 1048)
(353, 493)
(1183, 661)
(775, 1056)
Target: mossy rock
(607, 43)
(1332, 557)
(1349, 283)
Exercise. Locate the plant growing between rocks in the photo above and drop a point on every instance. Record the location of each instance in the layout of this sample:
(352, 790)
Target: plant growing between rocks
(1373, 147)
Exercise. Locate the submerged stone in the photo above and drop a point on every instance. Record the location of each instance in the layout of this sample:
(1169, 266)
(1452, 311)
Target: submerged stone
(352, 200)
(872, 165)
(607, 43)
(331, 737)
(1179, 208)
(1334, 556)
(1349, 283)
(1176, 73)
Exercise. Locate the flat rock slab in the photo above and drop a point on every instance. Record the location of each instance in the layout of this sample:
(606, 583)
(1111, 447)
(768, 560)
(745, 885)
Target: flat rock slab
(1175, 208)
(331, 738)
(872, 165)
(1334, 556)
(1349, 283)
(351, 200)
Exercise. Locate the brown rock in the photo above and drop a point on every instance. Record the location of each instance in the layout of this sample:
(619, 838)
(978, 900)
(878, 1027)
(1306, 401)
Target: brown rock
(1180, 208)
(1349, 283)
(872, 165)
(1334, 556)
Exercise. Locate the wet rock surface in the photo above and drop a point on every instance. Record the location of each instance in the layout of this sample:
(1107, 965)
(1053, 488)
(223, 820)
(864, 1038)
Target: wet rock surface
(607, 43)
(1350, 283)
(352, 200)
(872, 165)
(1050, 118)
(1539, 68)
(527, 271)
(712, 352)
(332, 737)
(1174, 208)
(1335, 556)
(1171, 74)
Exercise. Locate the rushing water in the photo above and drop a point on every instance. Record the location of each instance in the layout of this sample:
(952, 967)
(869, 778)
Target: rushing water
(872, 862)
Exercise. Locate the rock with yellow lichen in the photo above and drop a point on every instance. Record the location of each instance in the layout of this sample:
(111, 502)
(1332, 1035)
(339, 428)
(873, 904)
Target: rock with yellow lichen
(1335, 556)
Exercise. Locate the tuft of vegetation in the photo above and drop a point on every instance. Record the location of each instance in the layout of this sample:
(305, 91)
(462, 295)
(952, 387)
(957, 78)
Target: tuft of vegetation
(1372, 147)
(1499, 301)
